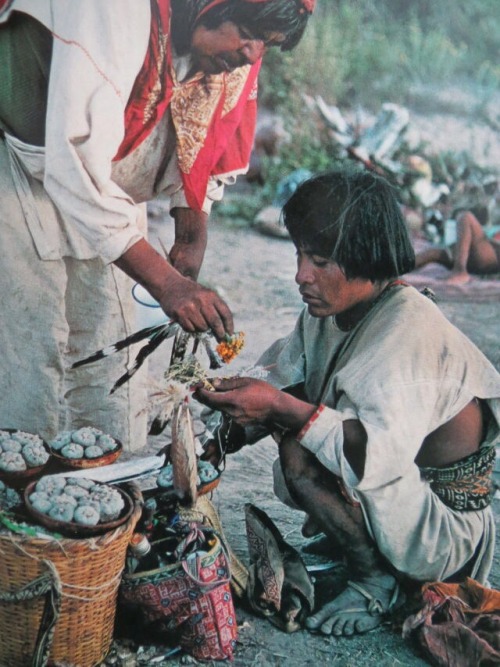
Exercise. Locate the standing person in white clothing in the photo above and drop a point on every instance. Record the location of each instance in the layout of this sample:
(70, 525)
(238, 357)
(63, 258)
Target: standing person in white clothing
(386, 415)
(103, 106)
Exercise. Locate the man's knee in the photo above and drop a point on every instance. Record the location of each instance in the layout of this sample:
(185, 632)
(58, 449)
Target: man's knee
(302, 473)
(295, 461)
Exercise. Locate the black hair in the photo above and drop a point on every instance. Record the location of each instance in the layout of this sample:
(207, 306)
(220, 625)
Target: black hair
(354, 218)
(259, 18)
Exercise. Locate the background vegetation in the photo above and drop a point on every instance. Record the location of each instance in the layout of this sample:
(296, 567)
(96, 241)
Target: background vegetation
(366, 52)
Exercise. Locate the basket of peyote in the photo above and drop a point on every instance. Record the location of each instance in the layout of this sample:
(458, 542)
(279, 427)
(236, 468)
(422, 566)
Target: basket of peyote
(58, 594)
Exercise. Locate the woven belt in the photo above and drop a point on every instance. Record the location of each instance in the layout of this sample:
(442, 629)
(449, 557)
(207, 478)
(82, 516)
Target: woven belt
(465, 485)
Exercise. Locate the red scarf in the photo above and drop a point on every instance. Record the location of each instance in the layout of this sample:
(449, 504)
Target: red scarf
(228, 138)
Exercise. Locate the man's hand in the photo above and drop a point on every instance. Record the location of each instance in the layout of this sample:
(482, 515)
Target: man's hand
(194, 307)
(246, 400)
(250, 401)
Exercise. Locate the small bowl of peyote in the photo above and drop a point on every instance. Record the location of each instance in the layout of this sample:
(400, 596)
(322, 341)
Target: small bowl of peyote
(86, 447)
(23, 456)
(77, 506)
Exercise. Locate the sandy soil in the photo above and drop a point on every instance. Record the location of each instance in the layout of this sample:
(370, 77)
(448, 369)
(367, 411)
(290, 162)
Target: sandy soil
(255, 274)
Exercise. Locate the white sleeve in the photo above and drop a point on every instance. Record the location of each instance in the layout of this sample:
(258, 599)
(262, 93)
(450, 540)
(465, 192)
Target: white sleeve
(396, 419)
(98, 50)
(323, 436)
(215, 192)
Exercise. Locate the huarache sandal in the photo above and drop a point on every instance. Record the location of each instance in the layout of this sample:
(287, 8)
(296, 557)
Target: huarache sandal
(348, 620)
(375, 606)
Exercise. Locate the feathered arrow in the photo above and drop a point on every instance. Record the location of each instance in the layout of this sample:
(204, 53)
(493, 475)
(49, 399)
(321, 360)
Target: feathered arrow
(155, 335)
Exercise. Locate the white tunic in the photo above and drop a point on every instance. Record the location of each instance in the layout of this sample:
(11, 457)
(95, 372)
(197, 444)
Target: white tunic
(69, 201)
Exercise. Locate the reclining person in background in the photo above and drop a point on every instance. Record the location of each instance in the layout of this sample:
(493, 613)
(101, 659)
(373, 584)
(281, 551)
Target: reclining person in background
(385, 433)
(473, 251)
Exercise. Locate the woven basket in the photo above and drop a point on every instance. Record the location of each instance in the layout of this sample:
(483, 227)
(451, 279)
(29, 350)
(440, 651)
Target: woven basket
(87, 573)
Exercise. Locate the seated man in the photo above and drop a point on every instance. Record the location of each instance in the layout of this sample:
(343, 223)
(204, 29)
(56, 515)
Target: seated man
(474, 252)
(386, 415)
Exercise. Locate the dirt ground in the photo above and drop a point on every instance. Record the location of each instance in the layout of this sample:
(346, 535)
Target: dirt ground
(255, 274)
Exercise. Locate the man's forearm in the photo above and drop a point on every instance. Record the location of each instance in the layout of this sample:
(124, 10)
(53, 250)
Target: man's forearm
(190, 242)
(290, 412)
(146, 266)
(194, 307)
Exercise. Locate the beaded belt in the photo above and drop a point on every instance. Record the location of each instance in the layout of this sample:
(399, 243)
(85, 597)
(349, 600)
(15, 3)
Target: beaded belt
(465, 485)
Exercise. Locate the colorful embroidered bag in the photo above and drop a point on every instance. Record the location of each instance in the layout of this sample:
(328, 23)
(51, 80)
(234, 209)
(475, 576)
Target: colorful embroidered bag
(192, 595)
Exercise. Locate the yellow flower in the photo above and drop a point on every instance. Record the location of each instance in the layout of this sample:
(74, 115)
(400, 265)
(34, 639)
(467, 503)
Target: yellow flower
(229, 348)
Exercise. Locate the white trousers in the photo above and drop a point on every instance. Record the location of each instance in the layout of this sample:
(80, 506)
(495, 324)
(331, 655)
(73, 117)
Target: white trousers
(54, 313)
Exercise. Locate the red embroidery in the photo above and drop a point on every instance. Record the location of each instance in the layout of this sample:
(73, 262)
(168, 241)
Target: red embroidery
(311, 421)
(201, 611)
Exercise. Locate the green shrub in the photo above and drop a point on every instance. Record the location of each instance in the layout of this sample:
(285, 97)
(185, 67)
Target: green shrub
(368, 51)
(237, 210)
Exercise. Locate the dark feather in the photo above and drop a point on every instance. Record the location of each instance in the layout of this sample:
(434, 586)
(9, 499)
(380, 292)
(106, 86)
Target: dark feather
(196, 345)
(156, 335)
(142, 355)
(148, 332)
(158, 426)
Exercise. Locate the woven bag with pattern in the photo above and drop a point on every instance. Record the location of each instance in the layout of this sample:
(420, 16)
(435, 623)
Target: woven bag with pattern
(192, 595)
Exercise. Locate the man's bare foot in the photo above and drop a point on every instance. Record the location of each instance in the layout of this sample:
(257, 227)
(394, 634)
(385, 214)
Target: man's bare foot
(458, 278)
(361, 607)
